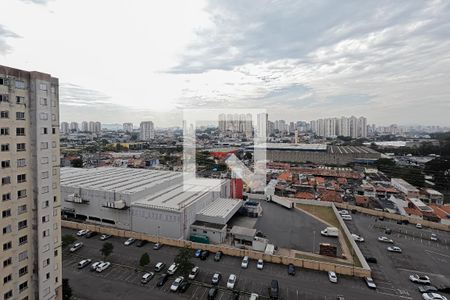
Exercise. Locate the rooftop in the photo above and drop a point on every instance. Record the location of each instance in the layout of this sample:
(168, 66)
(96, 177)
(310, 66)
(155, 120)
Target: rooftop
(221, 210)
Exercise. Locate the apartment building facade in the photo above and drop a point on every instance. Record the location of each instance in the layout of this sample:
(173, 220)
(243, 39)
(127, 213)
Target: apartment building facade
(146, 131)
(29, 189)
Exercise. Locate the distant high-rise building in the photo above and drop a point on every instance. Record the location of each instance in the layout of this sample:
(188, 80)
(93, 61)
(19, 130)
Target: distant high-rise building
(97, 127)
(91, 126)
(333, 127)
(30, 259)
(74, 127)
(236, 123)
(84, 126)
(64, 128)
(362, 127)
(147, 131)
(128, 127)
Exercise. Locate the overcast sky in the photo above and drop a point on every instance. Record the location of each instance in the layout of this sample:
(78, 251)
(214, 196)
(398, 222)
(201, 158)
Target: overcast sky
(128, 61)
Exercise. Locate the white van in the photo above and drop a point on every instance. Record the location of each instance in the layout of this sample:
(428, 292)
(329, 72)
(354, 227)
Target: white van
(346, 217)
(172, 269)
(147, 277)
(103, 266)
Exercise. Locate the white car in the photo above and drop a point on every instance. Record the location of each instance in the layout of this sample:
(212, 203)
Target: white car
(419, 226)
(422, 279)
(385, 239)
(129, 242)
(159, 266)
(370, 283)
(394, 249)
(260, 264)
(244, 263)
(433, 237)
(433, 296)
(147, 277)
(344, 212)
(357, 238)
(76, 246)
(254, 296)
(216, 278)
(194, 272)
(332, 277)
(103, 266)
(82, 232)
(231, 281)
(104, 237)
(84, 263)
(176, 284)
(172, 269)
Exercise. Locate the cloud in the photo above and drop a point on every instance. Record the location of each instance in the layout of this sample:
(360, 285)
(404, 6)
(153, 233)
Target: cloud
(4, 35)
(41, 2)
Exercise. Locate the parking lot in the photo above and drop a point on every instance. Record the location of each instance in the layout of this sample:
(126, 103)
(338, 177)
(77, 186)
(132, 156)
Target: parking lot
(122, 279)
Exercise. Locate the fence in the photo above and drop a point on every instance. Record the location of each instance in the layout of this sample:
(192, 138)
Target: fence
(227, 250)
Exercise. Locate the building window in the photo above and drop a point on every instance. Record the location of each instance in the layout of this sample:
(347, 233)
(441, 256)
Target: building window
(6, 213)
(21, 163)
(2, 81)
(46, 233)
(43, 87)
(21, 194)
(53, 117)
(4, 98)
(46, 262)
(54, 186)
(21, 178)
(4, 114)
(5, 147)
(44, 130)
(44, 145)
(6, 164)
(7, 229)
(44, 190)
(24, 270)
(45, 219)
(23, 240)
(47, 276)
(7, 279)
(43, 116)
(20, 147)
(20, 115)
(6, 197)
(55, 171)
(20, 100)
(7, 262)
(44, 160)
(6, 180)
(23, 286)
(54, 144)
(45, 204)
(20, 84)
(44, 175)
(7, 295)
(53, 130)
(4, 131)
(55, 252)
(21, 209)
(22, 224)
(20, 131)
(7, 246)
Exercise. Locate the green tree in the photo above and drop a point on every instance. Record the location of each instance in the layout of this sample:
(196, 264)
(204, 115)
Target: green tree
(145, 260)
(77, 163)
(67, 290)
(107, 249)
(183, 259)
(68, 239)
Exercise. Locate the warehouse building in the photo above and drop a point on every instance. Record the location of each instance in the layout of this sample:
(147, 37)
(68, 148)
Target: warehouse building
(148, 201)
(318, 153)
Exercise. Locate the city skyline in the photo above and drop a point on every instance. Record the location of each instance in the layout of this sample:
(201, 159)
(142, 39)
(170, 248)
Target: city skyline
(376, 60)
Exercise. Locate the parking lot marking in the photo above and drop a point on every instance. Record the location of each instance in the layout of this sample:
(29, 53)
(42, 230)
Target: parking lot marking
(437, 253)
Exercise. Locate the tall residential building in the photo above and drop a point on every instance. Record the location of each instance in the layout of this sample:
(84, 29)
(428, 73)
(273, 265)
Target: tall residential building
(97, 127)
(91, 127)
(147, 131)
(128, 127)
(74, 127)
(362, 127)
(332, 127)
(64, 128)
(84, 126)
(236, 123)
(30, 192)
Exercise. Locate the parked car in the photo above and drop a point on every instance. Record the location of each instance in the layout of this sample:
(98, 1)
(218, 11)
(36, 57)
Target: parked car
(141, 243)
(160, 266)
(422, 279)
(357, 238)
(254, 296)
(172, 269)
(343, 212)
(147, 277)
(244, 263)
(218, 256)
(95, 265)
(231, 282)
(204, 255)
(176, 284)
(194, 272)
(260, 264)
(104, 237)
(291, 269)
(433, 237)
(427, 289)
(184, 286)
(82, 232)
(84, 263)
(76, 246)
(394, 249)
(385, 239)
(198, 252)
(216, 278)
(212, 292)
(129, 242)
(274, 290)
(157, 246)
(332, 277)
(162, 280)
(103, 266)
(370, 283)
(370, 259)
(433, 296)
(90, 234)
(419, 226)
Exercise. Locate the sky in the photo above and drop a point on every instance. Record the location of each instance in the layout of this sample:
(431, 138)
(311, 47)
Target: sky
(129, 61)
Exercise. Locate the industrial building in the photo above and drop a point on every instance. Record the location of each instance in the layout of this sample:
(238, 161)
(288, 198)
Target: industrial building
(318, 153)
(153, 202)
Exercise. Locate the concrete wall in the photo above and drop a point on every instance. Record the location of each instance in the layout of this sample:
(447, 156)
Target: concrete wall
(227, 250)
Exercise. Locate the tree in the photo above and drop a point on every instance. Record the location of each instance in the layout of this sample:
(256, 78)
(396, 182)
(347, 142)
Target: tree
(183, 259)
(66, 289)
(145, 260)
(107, 249)
(77, 163)
(68, 239)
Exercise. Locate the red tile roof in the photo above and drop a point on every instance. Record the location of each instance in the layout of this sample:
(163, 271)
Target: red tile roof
(331, 196)
(361, 199)
(305, 195)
